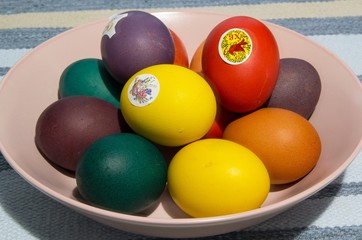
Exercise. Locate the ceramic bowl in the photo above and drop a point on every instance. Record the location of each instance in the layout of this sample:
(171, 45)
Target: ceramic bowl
(32, 84)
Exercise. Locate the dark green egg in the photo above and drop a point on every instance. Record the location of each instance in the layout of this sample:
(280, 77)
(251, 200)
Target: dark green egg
(122, 172)
(89, 77)
(298, 87)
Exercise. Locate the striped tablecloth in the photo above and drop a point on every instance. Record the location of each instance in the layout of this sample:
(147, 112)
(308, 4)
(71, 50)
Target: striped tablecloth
(333, 213)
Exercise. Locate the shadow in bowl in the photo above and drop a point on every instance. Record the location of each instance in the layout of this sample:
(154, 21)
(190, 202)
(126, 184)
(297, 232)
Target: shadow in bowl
(76, 194)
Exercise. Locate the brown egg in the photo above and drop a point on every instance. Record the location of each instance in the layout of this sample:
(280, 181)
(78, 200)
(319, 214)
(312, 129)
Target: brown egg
(68, 126)
(286, 142)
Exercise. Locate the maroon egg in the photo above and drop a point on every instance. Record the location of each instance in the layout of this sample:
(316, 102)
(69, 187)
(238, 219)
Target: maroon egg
(298, 87)
(68, 126)
(135, 40)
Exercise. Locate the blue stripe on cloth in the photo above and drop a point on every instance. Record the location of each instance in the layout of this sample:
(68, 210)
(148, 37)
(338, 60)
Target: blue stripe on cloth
(310, 233)
(3, 164)
(339, 189)
(12, 7)
(322, 26)
(26, 37)
(3, 70)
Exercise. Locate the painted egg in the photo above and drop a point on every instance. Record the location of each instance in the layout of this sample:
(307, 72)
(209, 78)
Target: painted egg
(89, 77)
(168, 104)
(135, 40)
(68, 126)
(196, 61)
(241, 58)
(213, 177)
(287, 143)
(121, 172)
(222, 119)
(298, 87)
(181, 57)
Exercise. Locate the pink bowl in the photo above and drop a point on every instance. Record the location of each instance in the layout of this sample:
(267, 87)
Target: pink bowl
(32, 84)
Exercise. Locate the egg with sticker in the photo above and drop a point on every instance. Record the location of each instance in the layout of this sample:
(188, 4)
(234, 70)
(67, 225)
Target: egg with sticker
(168, 104)
(240, 58)
(135, 40)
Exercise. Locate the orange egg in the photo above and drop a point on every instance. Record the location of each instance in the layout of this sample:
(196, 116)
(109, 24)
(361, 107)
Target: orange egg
(287, 143)
(196, 61)
(181, 57)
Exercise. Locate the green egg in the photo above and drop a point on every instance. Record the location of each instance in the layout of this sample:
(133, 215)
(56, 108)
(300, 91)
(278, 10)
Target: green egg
(122, 172)
(89, 77)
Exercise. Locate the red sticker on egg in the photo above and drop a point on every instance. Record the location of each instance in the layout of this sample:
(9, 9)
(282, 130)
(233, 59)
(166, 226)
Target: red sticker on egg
(235, 46)
(143, 90)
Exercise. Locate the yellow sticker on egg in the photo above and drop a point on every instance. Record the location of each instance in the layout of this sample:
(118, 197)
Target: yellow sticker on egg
(235, 46)
(143, 90)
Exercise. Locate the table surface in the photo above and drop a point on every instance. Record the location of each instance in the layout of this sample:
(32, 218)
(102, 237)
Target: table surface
(334, 213)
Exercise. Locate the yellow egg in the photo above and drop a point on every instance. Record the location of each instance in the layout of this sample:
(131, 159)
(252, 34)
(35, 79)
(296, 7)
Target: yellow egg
(168, 104)
(213, 177)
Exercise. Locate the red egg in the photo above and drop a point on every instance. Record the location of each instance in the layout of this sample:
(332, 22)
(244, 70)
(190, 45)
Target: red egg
(222, 119)
(241, 59)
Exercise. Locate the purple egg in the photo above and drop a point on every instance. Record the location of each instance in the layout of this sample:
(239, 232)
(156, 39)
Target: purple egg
(135, 40)
(298, 87)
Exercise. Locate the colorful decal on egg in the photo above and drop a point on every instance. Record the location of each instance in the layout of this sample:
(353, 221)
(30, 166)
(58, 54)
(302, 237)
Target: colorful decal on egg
(110, 29)
(235, 46)
(143, 90)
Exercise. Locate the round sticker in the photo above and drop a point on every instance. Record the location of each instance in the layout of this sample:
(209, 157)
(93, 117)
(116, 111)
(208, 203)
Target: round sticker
(143, 90)
(235, 46)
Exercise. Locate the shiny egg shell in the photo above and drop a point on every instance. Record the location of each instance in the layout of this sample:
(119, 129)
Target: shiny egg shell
(241, 59)
(89, 77)
(122, 172)
(168, 104)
